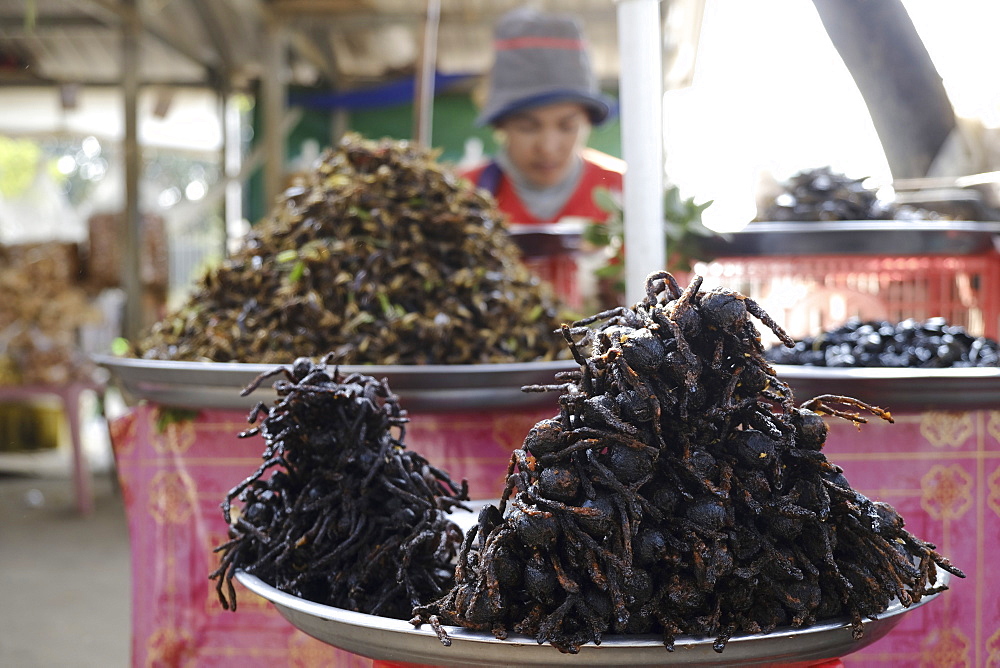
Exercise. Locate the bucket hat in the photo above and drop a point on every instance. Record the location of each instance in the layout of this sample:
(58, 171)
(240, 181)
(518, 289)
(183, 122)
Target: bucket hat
(540, 59)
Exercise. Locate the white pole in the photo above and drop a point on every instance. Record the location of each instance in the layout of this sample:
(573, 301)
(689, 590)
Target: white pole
(424, 106)
(641, 100)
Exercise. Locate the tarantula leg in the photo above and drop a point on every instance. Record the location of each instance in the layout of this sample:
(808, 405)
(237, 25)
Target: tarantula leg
(654, 285)
(255, 383)
(755, 309)
(818, 405)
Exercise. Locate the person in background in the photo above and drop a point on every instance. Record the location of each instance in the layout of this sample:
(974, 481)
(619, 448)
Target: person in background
(543, 100)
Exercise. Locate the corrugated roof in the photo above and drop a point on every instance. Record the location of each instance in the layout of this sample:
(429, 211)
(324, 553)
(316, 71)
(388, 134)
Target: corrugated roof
(336, 44)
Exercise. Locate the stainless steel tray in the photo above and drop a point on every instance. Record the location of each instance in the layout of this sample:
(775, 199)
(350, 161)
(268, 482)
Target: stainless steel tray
(898, 389)
(469, 386)
(420, 387)
(857, 237)
(387, 639)
(543, 239)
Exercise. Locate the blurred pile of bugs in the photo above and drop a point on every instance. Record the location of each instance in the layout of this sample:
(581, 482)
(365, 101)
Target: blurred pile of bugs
(378, 254)
(680, 491)
(822, 194)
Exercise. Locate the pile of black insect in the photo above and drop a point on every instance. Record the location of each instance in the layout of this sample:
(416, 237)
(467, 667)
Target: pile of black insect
(927, 344)
(348, 517)
(680, 491)
(822, 194)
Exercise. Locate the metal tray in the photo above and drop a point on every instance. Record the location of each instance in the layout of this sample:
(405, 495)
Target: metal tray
(387, 639)
(898, 389)
(469, 386)
(419, 387)
(857, 237)
(544, 239)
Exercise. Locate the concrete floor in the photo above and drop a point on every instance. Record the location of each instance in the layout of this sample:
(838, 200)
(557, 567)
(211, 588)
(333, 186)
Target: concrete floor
(64, 579)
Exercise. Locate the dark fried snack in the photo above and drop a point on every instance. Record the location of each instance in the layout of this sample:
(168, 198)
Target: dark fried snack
(821, 194)
(379, 254)
(680, 490)
(348, 517)
(930, 344)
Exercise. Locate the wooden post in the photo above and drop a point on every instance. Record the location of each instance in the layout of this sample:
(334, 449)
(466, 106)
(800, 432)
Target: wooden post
(273, 99)
(131, 274)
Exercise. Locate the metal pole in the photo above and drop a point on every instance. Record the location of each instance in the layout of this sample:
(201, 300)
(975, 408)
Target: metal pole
(641, 95)
(232, 152)
(424, 106)
(133, 319)
(273, 92)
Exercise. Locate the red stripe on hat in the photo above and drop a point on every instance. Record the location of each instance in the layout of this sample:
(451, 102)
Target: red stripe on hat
(568, 44)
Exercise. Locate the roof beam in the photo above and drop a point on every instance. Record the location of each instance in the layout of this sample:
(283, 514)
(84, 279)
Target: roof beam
(122, 12)
(215, 32)
(16, 25)
(321, 59)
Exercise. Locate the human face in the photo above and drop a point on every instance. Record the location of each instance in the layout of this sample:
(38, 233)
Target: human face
(542, 142)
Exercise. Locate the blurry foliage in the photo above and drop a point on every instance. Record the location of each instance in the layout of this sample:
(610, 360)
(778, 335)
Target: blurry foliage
(19, 160)
(89, 163)
(682, 227)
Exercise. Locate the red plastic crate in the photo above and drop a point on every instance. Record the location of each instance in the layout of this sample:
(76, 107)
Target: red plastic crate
(562, 273)
(810, 294)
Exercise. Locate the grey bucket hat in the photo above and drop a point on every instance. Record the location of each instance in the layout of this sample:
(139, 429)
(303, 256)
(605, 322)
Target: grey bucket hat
(540, 59)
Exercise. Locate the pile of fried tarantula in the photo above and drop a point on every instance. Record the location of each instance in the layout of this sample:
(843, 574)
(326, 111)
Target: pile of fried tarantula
(340, 512)
(680, 491)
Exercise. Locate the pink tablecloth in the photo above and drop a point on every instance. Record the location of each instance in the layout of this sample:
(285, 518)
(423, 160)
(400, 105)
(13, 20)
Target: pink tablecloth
(173, 478)
(940, 470)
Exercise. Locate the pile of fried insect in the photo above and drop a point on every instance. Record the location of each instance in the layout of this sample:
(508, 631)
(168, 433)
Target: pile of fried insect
(679, 491)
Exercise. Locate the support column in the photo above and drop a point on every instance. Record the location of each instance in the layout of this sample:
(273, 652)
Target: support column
(274, 101)
(134, 317)
(641, 101)
(426, 69)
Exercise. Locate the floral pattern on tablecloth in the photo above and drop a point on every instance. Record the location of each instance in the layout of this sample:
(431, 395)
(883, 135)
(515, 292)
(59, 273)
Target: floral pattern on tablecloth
(940, 470)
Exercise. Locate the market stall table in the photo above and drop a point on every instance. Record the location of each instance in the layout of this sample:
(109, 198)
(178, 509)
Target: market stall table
(178, 454)
(938, 465)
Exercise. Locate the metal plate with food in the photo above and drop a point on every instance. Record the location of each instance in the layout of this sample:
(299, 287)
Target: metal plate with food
(387, 639)
(857, 237)
(606, 533)
(420, 387)
(898, 388)
(377, 255)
